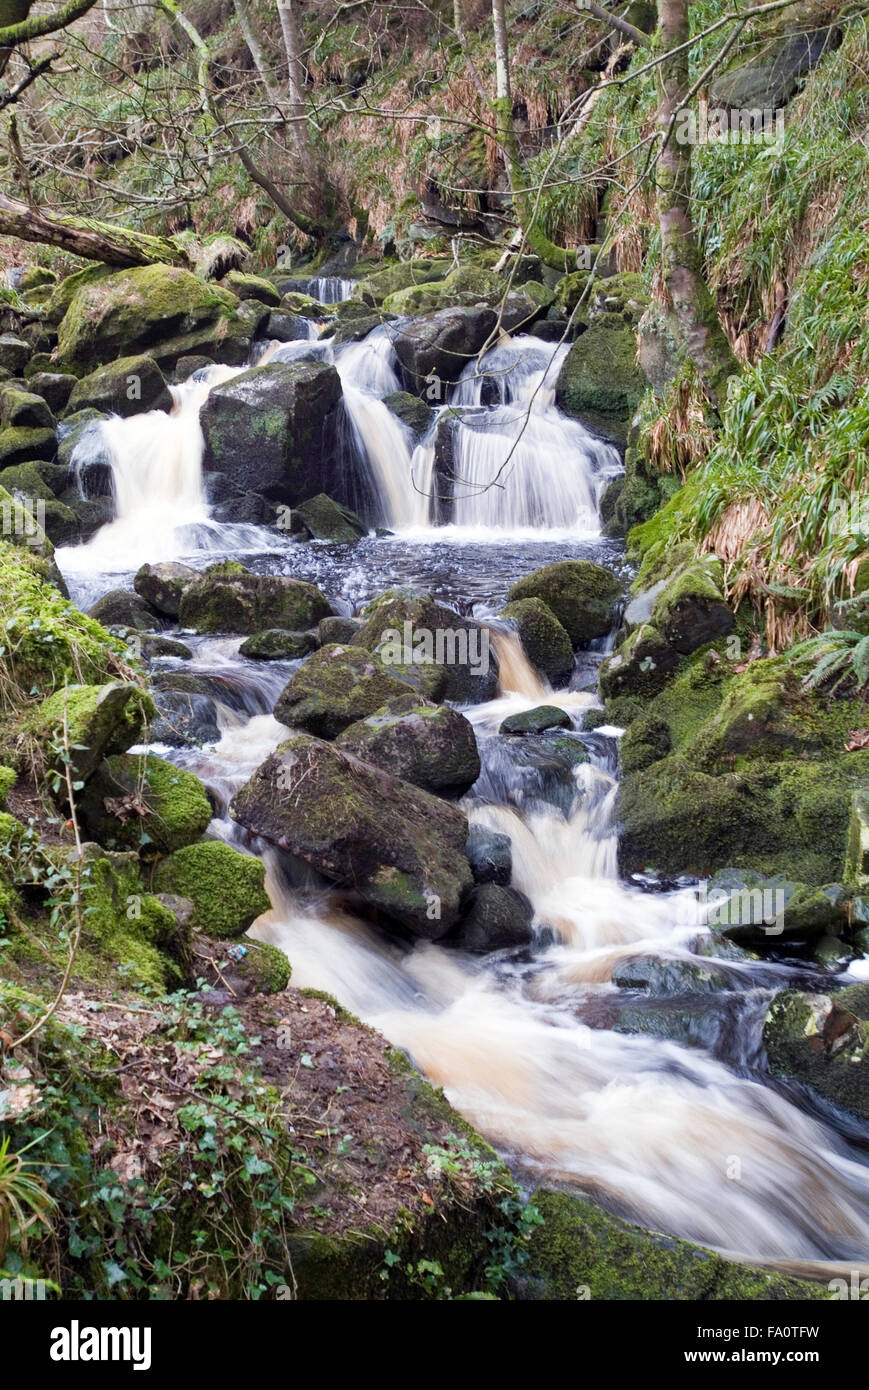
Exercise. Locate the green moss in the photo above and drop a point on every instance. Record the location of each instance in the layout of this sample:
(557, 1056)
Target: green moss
(8, 778)
(266, 967)
(152, 804)
(99, 719)
(823, 1041)
(580, 1252)
(580, 594)
(225, 887)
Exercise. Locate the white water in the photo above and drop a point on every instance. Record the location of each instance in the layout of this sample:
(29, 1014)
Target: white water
(669, 1135)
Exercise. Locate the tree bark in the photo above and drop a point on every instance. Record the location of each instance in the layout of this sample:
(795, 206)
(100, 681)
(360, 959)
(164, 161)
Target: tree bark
(96, 241)
(693, 306)
(16, 25)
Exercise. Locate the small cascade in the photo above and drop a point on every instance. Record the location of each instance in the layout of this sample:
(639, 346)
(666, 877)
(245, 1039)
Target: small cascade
(330, 289)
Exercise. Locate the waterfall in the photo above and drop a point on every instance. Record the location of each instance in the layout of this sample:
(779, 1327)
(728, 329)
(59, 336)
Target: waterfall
(330, 289)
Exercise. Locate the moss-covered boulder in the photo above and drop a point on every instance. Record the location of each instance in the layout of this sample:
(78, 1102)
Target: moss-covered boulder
(162, 585)
(263, 967)
(432, 746)
(643, 663)
(411, 411)
(225, 887)
(55, 388)
(581, 595)
(159, 309)
(24, 443)
(446, 656)
(690, 610)
(233, 600)
(326, 520)
(125, 387)
(24, 409)
(465, 286)
(600, 383)
(121, 608)
(92, 721)
(374, 289)
(822, 1041)
(245, 286)
(544, 639)
(757, 910)
(334, 688)
(857, 855)
(441, 345)
(144, 802)
(644, 742)
(536, 721)
(272, 429)
(580, 1252)
(394, 849)
(14, 353)
(497, 918)
(277, 644)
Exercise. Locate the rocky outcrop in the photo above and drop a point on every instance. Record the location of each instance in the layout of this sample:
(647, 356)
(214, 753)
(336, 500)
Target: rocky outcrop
(430, 745)
(440, 345)
(579, 593)
(334, 688)
(226, 598)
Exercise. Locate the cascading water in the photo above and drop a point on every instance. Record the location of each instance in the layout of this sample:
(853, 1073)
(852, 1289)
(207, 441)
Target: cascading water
(675, 1137)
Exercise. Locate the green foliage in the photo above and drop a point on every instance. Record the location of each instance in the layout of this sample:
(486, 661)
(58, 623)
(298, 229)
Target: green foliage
(839, 660)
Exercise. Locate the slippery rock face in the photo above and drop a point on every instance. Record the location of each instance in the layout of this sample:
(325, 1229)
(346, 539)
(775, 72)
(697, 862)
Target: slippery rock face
(544, 639)
(333, 689)
(395, 848)
(125, 387)
(445, 656)
(224, 599)
(272, 429)
(430, 745)
(823, 1041)
(162, 585)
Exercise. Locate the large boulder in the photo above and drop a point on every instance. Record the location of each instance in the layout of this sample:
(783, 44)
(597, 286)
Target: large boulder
(690, 610)
(581, 595)
(769, 80)
(643, 663)
(14, 353)
(600, 383)
(394, 848)
(544, 639)
(441, 345)
(184, 720)
(447, 656)
(325, 520)
(226, 598)
(272, 429)
(159, 309)
(125, 387)
(276, 644)
(134, 801)
(97, 719)
(430, 745)
(497, 919)
(335, 688)
(120, 608)
(24, 409)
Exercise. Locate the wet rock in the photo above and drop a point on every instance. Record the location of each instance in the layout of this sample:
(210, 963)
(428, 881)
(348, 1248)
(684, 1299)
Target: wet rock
(395, 849)
(246, 286)
(326, 520)
(430, 745)
(24, 409)
(100, 720)
(441, 345)
(152, 645)
(536, 721)
(277, 644)
(373, 289)
(272, 429)
(770, 911)
(55, 388)
(822, 1040)
(335, 688)
(184, 721)
(24, 443)
(661, 976)
(79, 435)
(544, 639)
(251, 509)
(337, 629)
(227, 598)
(450, 655)
(162, 585)
(287, 328)
(600, 383)
(411, 411)
(120, 608)
(14, 353)
(125, 387)
(186, 366)
(581, 595)
(496, 919)
(490, 855)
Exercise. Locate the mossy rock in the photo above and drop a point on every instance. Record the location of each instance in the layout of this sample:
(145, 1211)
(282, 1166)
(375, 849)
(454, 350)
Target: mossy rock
(822, 1041)
(431, 746)
(643, 663)
(14, 353)
(121, 608)
(162, 585)
(600, 383)
(536, 721)
(580, 594)
(327, 520)
(334, 688)
(99, 720)
(235, 601)
(24, 443)
(136, 310)
(646, 741)
(394, 849)
(580, 1252)
(466, 675)
(24, 410)
(463, 287)
(226, 888)
(497, 918)
(245, 286)
(265, 967)
(25, 480)
(544, 639)
(374, 289)
(134, 802)
(411, 411)
(691, 611)
(125, 387)
(277, 644)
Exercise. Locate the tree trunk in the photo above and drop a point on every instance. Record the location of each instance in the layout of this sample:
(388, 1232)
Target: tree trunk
(693, 306)
(257, 52)
(17, 27)
(322, 203)
(96, 241)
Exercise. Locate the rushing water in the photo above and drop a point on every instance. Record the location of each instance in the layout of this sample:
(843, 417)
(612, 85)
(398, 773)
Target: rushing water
(692, 1139)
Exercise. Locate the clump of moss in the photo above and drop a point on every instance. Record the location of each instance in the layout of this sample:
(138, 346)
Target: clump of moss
(265, 967)
(226, 887)
(134, 802)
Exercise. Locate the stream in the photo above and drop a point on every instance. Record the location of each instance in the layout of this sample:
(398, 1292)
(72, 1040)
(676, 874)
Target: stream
(692, 1137)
